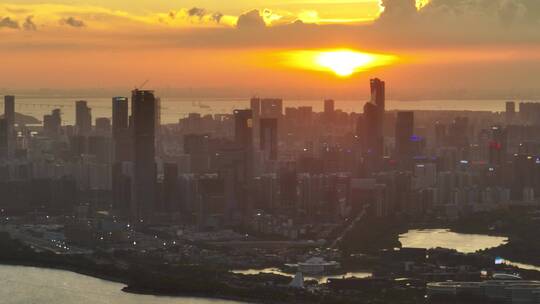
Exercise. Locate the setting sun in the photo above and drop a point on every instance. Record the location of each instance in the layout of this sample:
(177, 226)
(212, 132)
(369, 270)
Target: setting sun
(342, 62)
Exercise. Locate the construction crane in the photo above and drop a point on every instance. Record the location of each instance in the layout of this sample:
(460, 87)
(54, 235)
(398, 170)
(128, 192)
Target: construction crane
(142, 85)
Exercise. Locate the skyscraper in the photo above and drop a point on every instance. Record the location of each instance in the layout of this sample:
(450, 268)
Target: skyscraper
(440, 134)
(510, 111)
(374, 111)
(122, 187)
(329, 109)
(9, 109)
(329, 106)
(170, 195)
(271, 108)
(9, 115)
(120, 119)
(255, 107)
(288, 184)
(157, 121)
(103, 125)
(122, 136)
(52, 123)
(372, 130)
(404, 134)
(378, 94)
(269, 138)
(497, 145)
(3, 139)
(143, 106)
(197, 146)
(243, 133)
(83, 118)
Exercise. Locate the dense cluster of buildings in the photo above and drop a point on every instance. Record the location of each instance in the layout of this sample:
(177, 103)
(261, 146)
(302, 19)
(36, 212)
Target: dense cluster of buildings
(269, 169)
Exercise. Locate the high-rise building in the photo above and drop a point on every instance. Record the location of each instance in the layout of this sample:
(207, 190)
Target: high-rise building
(374, 112)
(373, 138)
(122, 186)
(271, 108)
(197, 146)
(143, 107)
(255, 107)
(404, 138)
(329, 109)
(9, 110)
(120, 114)
(157, 114)
(170, 196)
(52, 123)
(243, 133)
(3, 139)
(440, 134)
(83, 118)
(497, 146)
(378, 94)
(269, 138)
(288, 185)
(458, 133)
(510, 111)
(121, 133)
(9, 115)
(103, 125)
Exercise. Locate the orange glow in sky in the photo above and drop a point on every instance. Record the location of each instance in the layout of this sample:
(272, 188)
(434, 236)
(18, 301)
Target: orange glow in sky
(341, 62)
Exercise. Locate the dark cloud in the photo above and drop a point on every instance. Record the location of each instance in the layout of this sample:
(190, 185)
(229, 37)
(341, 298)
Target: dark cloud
(7, 22)
(400, 10)
(449, 15)
(457, 22)
(29, 24)
(197, 12)
(73, 22)
(251, 20)
(484, 12)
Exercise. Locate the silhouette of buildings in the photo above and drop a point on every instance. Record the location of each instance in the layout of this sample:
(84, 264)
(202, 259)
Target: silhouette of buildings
(143, 106)
(83, 118)
(243, 132)
(510, 112)
(372, 125)
(121, 132)
(404, 139)
(9, 116)
(269, 138)
(52, 123)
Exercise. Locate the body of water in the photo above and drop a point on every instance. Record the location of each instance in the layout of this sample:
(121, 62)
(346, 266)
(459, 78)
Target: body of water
(443, 238)
(174, 108)
(465, 243)
(321, 279)
(29, 285)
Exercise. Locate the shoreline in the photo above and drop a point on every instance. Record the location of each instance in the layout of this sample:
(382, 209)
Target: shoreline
(88, 273)
(126, 288)
(503, 250)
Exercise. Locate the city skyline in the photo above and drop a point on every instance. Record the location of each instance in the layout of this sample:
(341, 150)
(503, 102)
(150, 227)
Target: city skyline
(181, 208)
(270, 151)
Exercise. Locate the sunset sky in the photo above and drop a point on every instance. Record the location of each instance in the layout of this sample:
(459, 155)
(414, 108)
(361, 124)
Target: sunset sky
(438, 47)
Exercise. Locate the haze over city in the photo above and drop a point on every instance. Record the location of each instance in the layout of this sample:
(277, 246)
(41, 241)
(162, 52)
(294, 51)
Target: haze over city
(273, 152)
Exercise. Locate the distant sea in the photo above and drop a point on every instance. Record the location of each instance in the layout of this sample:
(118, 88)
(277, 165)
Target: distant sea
(174, 108)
